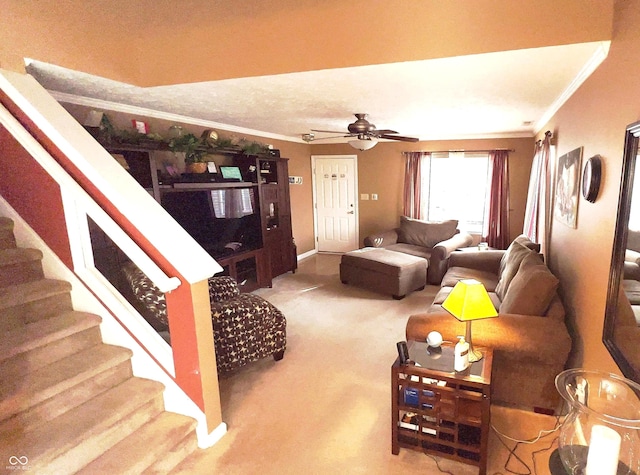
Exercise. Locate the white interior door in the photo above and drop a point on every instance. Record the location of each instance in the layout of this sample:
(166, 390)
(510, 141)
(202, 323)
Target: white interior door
(336, 213)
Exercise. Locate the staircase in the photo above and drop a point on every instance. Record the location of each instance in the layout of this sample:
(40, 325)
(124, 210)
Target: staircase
(68, 402)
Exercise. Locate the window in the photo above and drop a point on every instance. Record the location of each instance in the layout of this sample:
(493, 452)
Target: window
(455, 186)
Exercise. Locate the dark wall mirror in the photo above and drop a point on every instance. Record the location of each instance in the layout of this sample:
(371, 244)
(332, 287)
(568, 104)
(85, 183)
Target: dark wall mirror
(621, 333)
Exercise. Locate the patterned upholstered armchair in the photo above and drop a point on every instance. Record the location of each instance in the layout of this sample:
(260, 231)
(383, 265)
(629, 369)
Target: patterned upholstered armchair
(245, 326)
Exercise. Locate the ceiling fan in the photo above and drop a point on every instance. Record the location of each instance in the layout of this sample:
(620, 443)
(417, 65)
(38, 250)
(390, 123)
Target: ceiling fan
(365, 133)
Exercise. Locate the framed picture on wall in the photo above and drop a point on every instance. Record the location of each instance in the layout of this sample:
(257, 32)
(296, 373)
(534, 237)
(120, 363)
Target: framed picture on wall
(567, 187)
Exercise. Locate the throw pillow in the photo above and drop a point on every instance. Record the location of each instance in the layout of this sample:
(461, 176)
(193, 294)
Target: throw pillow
(530, 292)
(523, 240)
(510, 264)
(425, 233)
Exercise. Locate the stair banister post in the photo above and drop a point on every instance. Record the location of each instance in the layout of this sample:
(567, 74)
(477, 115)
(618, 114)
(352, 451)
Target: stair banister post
(189, 312)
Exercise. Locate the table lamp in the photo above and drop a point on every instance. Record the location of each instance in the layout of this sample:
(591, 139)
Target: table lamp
(470, 301)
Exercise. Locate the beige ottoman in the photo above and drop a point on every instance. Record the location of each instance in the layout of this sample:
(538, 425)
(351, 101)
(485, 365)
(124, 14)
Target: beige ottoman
(384, 271)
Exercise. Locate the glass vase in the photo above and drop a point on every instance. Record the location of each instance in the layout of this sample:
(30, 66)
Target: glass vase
(600, 434)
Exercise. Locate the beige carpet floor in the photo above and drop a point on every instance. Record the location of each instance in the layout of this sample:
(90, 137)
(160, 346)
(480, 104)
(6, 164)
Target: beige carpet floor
(326, 407)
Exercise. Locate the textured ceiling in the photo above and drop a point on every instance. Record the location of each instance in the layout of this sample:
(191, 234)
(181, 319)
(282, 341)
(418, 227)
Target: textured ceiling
(510, 93)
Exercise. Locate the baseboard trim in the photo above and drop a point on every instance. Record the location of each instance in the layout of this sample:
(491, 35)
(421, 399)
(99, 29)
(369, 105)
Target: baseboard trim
(307, 254)
(206, 440)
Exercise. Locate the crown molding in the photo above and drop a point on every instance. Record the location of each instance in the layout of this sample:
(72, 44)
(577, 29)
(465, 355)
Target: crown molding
(143, 111)
(596, 59)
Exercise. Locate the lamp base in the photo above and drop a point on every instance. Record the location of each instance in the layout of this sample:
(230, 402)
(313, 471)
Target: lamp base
(474, 355)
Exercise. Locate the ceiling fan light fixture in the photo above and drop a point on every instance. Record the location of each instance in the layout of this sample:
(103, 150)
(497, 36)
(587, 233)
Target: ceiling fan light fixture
(363, 144)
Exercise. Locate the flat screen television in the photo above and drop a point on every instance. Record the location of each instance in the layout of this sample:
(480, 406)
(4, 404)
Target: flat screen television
(222, 221)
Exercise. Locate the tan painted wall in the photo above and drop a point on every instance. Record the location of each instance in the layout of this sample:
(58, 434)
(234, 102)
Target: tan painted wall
(381, 171)
(595, 118)
(98, 36)
(151, 42)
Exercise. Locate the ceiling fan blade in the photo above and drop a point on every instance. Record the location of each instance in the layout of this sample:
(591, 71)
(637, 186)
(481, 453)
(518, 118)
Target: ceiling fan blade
(399, 137)
(328, 131)
(384, 132)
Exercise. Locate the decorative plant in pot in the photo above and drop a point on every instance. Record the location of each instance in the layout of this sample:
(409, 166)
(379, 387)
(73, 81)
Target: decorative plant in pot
(249, 147)
(194, 152)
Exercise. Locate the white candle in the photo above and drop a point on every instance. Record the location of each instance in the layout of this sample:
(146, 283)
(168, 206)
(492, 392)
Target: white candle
(604, 449)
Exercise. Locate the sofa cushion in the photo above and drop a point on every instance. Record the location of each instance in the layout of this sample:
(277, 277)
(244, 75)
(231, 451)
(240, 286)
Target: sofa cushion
(531, 290)
(454, 274)
(509, 266)
(425, 233)
(522, 240)
(412, 250)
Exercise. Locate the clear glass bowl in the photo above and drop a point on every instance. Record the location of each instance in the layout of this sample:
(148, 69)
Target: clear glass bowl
(603, 418)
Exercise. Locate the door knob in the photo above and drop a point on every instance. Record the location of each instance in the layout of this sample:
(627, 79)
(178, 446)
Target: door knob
(350, 212)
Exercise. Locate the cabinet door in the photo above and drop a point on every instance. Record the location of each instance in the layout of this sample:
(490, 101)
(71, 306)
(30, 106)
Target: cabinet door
(275, 211)
(288, 248)
(279, 248)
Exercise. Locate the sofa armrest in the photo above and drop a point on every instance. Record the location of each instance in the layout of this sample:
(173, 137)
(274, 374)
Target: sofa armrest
(439, 258)
(382, 239)
(488, 261)
(444, 248)
(540, 339)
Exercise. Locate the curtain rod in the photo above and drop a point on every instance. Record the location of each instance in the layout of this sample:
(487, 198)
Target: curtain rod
(464, 151)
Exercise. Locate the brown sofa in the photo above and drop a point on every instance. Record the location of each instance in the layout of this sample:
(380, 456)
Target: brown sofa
(529, 338)
(434, 241)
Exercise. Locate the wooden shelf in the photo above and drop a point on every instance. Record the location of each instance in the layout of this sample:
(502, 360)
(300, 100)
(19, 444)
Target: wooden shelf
(184, 185)
(441, 411)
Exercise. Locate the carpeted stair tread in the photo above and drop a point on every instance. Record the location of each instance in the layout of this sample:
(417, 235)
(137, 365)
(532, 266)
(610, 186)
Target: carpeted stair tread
(70, 441)
(19, 265)
(7, 238)
(152, 442)
(14, 295)
(67, 400)
(42, 332)
(46, 382)
(18, 255)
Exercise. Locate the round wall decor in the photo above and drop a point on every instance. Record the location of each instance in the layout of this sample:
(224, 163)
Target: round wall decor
(591, 178)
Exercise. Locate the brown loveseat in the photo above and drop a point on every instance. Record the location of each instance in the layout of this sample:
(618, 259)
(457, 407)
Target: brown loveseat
(434, 241)
(529, 338)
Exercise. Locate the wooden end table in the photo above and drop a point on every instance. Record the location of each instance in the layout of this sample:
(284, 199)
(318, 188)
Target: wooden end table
(439, 411)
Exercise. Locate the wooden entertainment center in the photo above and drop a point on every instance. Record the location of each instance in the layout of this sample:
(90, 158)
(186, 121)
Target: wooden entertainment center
(253, 247)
